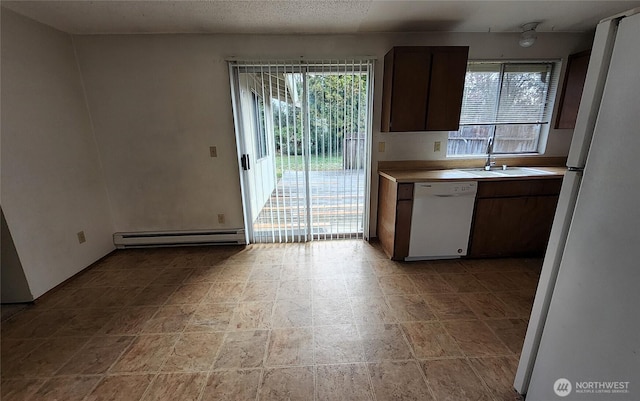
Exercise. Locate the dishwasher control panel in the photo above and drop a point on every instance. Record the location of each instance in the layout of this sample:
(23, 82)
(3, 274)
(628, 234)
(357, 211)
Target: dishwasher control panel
(446, 188)
(465, 188)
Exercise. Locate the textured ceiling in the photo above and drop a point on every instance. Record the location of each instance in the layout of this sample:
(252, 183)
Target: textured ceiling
(319, 16)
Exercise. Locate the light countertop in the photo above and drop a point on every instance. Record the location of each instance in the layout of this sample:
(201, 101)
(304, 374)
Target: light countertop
(408, 176)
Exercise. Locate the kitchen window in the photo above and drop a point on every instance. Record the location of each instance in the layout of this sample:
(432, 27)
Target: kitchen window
(510, 102)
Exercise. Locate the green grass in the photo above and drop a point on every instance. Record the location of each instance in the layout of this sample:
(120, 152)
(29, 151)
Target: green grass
(296, 163)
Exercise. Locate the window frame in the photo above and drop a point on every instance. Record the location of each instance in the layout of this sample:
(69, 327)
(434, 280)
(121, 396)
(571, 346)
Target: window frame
(260, 123)
(547, 112)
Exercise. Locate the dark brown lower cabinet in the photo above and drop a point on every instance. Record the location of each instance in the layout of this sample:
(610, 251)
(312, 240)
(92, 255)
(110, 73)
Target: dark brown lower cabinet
(513, 218)
(395, 204)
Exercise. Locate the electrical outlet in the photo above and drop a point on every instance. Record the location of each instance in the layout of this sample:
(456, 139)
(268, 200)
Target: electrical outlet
(381, 146)
(436, 146)
(81, 238)
(221, 218)
(213, 151)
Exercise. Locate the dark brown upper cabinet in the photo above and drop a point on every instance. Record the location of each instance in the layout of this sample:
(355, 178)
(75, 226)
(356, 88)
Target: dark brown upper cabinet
(572, 89)
(423, 87)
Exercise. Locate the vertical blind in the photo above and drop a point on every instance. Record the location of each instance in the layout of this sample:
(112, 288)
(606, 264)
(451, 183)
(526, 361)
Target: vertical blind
(311, 182)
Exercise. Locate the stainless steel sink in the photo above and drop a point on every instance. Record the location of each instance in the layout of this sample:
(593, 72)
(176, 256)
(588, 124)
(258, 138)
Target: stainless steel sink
(523, 171)
(509, 172)
(483, 173)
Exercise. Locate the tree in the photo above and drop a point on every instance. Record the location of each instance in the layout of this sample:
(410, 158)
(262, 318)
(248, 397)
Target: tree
(337, 106)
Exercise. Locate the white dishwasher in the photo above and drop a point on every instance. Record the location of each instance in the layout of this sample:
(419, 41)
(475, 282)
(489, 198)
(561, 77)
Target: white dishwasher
(441, 219)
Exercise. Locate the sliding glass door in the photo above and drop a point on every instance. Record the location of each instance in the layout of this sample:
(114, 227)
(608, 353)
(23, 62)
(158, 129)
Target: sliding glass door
(303, 133)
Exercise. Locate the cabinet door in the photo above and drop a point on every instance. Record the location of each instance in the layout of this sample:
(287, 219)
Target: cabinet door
(448, 70)
(572, 89)
(513, 218)
(536, 224)
(496, 226)
(395, 205)
(409, 91)
(512, 226)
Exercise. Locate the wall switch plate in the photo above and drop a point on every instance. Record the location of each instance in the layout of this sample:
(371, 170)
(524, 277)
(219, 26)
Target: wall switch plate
(221, 218)
(213, 151)
(81, 238)
(436, 146)
(381, 146)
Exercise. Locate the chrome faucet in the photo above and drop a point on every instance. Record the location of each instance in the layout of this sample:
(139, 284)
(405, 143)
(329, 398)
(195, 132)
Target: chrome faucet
(489, 162)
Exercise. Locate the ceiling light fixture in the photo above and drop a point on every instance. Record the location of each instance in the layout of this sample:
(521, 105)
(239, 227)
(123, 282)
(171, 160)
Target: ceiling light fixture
(528, 36)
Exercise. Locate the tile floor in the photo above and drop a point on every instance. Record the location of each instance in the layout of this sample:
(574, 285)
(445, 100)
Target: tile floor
(319, 321)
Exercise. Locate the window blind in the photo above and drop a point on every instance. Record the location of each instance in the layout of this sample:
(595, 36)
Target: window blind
(509, 93)
(481, 91)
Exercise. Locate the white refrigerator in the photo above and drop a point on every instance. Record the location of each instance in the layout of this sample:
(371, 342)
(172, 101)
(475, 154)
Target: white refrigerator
(583, 339)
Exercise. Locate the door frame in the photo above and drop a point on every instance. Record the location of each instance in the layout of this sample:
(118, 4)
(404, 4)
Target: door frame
(368, 66)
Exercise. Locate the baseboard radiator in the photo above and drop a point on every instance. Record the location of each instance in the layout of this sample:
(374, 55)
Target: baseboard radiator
(179, 238)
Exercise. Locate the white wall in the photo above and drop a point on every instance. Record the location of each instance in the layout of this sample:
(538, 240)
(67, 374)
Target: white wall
(159, 101)
(52, 186)
(157, 104)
